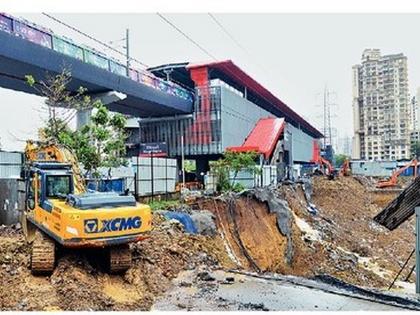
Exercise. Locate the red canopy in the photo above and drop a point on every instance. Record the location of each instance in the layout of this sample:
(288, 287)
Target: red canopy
(264, 137)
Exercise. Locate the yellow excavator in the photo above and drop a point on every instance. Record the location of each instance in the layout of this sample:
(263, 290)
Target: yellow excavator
(61, 212)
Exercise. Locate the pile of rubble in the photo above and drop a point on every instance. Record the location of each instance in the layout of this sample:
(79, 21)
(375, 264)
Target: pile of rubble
(310, 229)
(80, 281)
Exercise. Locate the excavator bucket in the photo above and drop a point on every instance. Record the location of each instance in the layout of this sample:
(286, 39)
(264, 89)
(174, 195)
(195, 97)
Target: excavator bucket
(28, 227)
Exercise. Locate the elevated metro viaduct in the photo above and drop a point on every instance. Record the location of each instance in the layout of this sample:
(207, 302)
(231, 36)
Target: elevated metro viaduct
(30, 49)
(230, 107)
(225, 107)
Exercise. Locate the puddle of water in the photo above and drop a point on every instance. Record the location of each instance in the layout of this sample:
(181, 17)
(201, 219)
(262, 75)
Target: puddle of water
(405, 287)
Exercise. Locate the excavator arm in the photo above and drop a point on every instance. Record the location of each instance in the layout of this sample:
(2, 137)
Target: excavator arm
(345, 168)
(325, 165)
(329, 169)
(394, 177)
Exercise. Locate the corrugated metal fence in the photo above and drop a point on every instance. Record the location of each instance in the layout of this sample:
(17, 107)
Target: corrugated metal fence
(164, 175)
(247, 179)
(10, 164)
(11, 188)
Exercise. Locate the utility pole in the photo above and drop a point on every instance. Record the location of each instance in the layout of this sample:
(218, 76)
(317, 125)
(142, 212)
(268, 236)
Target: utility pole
(327, 128)
(182, 161)
(325, 116)
(127, 50)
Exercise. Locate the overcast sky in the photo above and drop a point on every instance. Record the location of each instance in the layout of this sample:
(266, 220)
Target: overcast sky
(293, 55)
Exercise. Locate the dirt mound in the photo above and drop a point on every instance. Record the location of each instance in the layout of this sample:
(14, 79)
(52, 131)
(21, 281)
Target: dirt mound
(356, 249)
(80, 282)
(332, 233)
(252, 236)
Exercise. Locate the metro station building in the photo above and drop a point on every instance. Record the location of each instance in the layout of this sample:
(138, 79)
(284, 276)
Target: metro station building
(231, 111)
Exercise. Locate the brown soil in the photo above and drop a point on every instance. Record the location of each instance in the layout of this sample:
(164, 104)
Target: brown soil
(350, 245)
(79, 281)
(252, 235)
(341, 240)
(345, 215)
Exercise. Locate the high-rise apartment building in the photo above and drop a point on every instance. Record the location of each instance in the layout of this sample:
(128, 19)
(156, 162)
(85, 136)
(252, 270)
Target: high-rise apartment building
(382, 109)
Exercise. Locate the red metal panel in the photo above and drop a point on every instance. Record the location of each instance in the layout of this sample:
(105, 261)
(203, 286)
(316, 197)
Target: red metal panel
(264, 137)
(200, 76)
(201, 128)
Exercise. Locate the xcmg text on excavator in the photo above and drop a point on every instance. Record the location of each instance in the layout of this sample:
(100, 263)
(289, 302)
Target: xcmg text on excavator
(59, 211)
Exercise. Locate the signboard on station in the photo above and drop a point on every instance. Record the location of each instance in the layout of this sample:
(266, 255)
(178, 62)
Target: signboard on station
(156, 149)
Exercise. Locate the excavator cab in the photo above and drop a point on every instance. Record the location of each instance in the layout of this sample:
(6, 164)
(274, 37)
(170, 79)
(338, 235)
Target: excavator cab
(44, 181)
(48, 181)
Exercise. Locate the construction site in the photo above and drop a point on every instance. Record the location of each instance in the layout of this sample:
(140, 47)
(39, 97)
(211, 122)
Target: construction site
(261, 232)
(188, 186)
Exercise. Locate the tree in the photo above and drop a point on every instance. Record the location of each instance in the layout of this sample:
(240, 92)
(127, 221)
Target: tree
(234, 162)
(100, 143)
(340, 158)
(61, 104)
(415, 149)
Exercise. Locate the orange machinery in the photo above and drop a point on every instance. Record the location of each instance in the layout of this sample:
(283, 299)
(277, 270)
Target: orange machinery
(325, 165)
(345, 168)
(393, 180)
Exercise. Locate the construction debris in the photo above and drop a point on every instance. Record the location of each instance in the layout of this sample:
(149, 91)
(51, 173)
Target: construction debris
(401, 208)
(339, 238)
(264, 231)
(80, 281)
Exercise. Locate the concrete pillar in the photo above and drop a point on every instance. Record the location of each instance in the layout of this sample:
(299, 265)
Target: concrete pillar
(83, 118)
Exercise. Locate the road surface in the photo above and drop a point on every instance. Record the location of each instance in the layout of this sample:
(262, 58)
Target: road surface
(250, 293)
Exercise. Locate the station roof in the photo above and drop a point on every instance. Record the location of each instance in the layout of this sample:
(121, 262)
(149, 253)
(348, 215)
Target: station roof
(228, 71)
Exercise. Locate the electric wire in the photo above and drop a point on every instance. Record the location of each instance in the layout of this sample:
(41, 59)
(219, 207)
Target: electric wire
(237, 43)
(204, 50)
(292, 114)
(92, 38)
(107, 45)
(186, 36)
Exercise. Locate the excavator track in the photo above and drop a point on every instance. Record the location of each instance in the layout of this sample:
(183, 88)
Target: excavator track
(119, 259)
(43, 254)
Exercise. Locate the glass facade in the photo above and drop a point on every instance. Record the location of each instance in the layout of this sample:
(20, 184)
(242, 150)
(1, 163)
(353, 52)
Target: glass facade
(202, 132)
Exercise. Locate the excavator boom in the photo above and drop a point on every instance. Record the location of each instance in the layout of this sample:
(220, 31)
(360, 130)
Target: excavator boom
(48, 151)
(393, 181)
(325, 165)
(345, 168)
